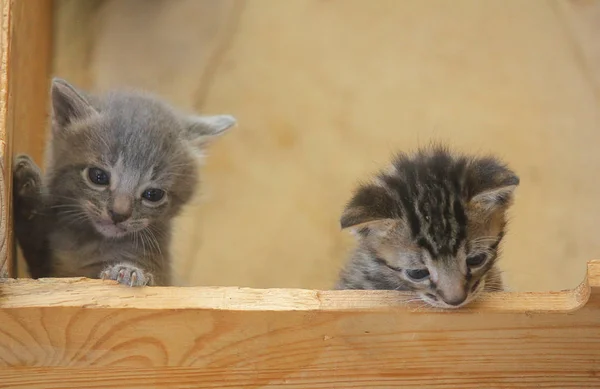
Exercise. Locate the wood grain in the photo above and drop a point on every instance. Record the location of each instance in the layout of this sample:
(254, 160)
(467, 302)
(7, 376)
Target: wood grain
(5, 176)
(29, 76)
(28, 52)
(93, 334)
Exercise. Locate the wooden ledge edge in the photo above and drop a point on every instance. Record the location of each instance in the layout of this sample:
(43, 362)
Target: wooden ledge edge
(88, 293)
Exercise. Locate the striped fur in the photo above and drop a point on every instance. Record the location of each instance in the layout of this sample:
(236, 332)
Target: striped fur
(432, 224)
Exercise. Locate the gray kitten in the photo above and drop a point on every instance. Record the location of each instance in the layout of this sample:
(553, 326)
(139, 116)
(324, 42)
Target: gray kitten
(431, 224)
(120, 167)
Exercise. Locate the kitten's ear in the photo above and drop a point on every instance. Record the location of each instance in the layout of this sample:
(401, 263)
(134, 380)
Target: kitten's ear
(203, 129)
(370, 207)
(68, 104)
(494, 185)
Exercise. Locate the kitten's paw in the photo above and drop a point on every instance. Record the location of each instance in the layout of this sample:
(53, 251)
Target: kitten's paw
(27, 177)
(127, 274)
(27, 183)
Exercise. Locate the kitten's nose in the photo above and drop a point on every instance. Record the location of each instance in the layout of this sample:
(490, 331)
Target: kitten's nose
(121, 208)
(118, 217)
(451, 286)
(455, 300)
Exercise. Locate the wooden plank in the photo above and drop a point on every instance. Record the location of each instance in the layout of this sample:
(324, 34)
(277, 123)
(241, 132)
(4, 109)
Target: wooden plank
(30, 66)
(27, 49)
(91, 334)
(5, 171)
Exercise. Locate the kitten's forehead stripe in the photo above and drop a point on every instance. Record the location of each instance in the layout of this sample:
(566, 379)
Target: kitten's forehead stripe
(435, 214)
(153, 175)
(430, 191)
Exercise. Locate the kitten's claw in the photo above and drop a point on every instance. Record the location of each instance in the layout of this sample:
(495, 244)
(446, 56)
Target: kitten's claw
(127, 274)
(134, 278)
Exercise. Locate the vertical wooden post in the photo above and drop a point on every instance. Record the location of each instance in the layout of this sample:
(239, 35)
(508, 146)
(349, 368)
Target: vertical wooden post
(25, 52)
(5, 169)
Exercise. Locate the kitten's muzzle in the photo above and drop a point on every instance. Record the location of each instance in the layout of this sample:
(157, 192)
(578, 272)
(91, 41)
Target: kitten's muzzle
(121, 208)
(455, 300)
(119, 217)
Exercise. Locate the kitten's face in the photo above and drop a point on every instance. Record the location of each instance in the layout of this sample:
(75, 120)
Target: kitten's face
(434, 221)
(123, 192)
(125, 164)
(442, 278)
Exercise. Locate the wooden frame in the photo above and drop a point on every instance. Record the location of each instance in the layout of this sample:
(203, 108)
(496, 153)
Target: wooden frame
(58, 333)
(5, 142)
(90, 334)
(25, 59)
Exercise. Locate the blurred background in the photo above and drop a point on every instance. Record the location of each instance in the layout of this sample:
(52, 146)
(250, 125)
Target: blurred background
(326, 90)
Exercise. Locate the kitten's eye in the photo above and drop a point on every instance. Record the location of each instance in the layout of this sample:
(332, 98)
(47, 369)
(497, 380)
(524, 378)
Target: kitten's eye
(153, 195)
(476, 260)
(418, 274)
(98, 176)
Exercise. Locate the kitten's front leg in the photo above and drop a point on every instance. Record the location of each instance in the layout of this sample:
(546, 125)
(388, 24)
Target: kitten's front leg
(31, 219)
(27, 184)
(127, 274)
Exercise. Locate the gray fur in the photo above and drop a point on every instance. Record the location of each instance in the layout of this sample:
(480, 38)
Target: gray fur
(110, 231)
(436, 213)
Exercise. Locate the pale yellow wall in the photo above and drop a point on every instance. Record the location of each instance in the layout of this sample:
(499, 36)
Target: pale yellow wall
(325, 91)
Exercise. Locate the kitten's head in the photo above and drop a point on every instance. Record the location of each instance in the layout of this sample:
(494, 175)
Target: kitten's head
(125, 161)
(435, 221)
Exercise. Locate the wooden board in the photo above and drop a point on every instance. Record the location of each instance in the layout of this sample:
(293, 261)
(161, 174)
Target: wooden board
(94, 334)
(26, 46)
(5, 176)
(29, 75)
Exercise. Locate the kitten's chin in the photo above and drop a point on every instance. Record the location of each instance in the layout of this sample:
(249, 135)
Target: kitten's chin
(110, 230)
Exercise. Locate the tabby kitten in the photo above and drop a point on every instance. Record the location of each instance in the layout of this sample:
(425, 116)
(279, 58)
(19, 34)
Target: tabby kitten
(431, 224)
(120, 167)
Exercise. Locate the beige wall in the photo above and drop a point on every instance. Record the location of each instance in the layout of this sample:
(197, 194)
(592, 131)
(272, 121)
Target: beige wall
(326, 91)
